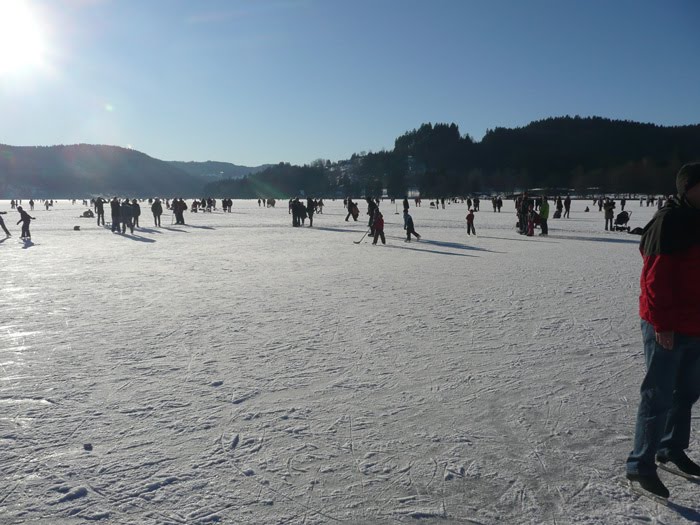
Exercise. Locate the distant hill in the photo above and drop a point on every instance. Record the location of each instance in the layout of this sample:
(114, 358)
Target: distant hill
(84, 170)
(212, 170)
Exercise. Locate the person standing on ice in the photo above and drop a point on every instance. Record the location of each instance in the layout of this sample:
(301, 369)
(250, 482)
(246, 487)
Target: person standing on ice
(136, 209)
(100, 210)
(2, 224)
(470, 222)
(126, 215)
(544, 215)
(25, 219)
(609, 213)
(408, 226)
(669, 307)
(157, 211)
(310, 209)
(114, 207)
(378, 226)
(567, 206)
(372, 208)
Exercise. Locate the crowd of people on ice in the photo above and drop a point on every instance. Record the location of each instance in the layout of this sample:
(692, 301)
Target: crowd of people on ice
(533, 211)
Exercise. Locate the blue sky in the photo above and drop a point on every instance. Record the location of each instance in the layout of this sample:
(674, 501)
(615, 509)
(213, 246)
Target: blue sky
(258, 81)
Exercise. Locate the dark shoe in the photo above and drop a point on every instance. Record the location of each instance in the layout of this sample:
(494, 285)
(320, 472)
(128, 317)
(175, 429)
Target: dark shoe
(681, 461)
(651, 483)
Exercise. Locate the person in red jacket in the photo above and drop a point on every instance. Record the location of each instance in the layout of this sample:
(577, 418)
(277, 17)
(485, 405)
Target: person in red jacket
(470, 222)
(669, 305)
(378, 225)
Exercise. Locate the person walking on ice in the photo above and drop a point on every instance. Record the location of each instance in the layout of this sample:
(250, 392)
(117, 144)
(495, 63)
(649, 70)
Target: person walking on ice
(470, 222)
(669, 307)
(25, 219)
(408, 226)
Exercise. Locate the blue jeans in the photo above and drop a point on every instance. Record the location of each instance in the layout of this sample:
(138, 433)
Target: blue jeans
(670, 388)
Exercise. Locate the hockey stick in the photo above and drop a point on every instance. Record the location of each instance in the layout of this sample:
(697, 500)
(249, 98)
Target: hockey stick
(358, 242)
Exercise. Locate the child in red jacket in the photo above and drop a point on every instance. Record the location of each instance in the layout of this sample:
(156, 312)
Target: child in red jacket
(378, 225)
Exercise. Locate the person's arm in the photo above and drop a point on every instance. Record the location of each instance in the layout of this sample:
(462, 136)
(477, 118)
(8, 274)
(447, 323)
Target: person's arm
(658, 281)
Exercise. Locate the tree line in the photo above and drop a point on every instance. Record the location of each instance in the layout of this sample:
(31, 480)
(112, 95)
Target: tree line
(588, 155)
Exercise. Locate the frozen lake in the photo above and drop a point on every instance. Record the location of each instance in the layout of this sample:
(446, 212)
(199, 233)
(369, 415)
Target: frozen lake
(240, 370)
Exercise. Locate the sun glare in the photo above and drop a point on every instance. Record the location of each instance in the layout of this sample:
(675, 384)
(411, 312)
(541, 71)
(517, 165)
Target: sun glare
(21, 42)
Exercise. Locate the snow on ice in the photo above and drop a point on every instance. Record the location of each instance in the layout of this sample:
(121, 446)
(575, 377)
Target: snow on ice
(238, 370)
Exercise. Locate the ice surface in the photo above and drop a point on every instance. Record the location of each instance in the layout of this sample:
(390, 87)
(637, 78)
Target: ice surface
(240, 370)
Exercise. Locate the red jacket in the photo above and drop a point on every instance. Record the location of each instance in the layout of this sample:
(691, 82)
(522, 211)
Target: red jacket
(670, 280)
(378, 223)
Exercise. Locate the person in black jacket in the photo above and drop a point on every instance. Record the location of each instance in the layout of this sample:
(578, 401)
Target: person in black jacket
(408, 226)
(114, 207)
(310, 209)
(371, 211)
(100, 210)
(136, 209)
(126, 214)
(157, 210)
(25, 219)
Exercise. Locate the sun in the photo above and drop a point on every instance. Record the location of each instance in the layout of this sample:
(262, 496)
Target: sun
(21, 40)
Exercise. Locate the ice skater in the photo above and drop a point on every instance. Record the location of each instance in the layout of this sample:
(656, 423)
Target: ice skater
(470, 222)
(669, 306)
(25, 219)
(378, 226)
(408, 226)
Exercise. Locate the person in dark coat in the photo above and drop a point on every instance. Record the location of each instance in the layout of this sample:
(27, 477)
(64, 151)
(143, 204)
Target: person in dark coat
(405, 204)
(179, 207)
(408, 226)
(157, 210)
(100, 210)
(609, 206)
(371, 211)
(114, 207)
(310, 209)
(350, 205)
(669, 307)
(126, 215)
(136, 209)
(25, 219)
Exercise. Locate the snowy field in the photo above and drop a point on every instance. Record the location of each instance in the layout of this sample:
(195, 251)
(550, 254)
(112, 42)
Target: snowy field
(238, 370)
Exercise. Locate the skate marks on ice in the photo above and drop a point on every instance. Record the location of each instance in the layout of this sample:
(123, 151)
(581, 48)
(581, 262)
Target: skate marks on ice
(270, 383)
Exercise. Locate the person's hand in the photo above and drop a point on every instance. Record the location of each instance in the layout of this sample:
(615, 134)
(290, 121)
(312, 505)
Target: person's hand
(665, 339)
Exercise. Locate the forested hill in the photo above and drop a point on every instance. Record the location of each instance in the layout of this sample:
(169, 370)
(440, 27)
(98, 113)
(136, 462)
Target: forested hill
(210, 169)
(590, 154)
(87, 170)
